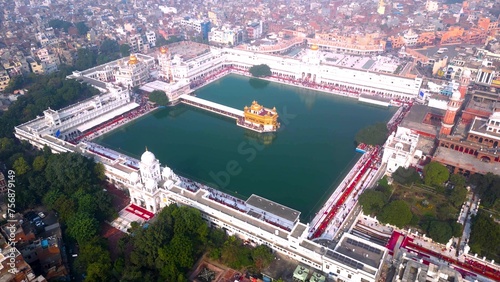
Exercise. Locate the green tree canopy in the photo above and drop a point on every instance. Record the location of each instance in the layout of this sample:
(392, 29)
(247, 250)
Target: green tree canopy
(70, 171)
(485, 236)
(82, 227)
(457, 196)
(488, 188)
(435, 174)
(406, 176)
(397, 213)
(109, 46)
(375, 134)
(262, 256)
(15, 83)
(125, 50)
(159, 97)
(262, 70)
(372, 201)
(39, 163)
(82, 28)
(86, 59)
(60, 24)
(440, 231)
(21, 166)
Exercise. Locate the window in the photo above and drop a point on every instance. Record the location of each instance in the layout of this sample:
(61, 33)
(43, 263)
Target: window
(349, 276)
(338, 271)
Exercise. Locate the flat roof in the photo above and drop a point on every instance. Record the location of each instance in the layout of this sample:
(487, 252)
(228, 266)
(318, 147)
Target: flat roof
(415, 118)
(212, 104)
(464, 161)
(298, 230)
(273, 208)
(107, 116)
(360, 251)
(479, 125)
(91, 81)
(200, 197)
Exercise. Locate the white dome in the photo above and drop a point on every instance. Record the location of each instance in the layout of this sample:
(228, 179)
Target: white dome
(134, 177)
(456, 95)
(166, 172)
(150, 184)
(467, 73)
(148, 157)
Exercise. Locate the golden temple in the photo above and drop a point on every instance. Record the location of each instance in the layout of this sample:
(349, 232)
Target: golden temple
(263, 118)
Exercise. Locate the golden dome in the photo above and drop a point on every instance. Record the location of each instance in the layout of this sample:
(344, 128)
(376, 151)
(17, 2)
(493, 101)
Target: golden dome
(314, 47)
(133, 60)
(163, 50)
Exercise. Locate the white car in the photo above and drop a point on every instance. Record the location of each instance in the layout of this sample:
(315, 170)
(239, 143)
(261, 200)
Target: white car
(41, 215)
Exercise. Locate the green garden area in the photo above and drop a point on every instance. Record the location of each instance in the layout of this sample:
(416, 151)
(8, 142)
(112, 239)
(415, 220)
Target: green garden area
(432, 204)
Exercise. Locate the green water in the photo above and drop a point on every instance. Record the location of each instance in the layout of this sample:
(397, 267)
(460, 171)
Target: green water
(298, 166)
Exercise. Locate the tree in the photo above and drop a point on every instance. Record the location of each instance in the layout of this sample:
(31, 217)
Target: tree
(485, 236)
(406, 175)
(17, 82)
(262, 256)
(109, 47)
(458, 180)
(86, 59)
(372, 201)
(457, 196)
(82, 28)
(159, 97)
(375, 134)
(82, 227)
(397, 213)
(262, 70)
(435, 174)
(488, 188)
(440, 231)
(125, 50)
(60, 24)
(39, 163)
(21, 166)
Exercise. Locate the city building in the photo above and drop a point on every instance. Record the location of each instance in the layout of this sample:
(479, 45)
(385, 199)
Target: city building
(400, 150)
(410, 267)
(4, 79)
(133, 73)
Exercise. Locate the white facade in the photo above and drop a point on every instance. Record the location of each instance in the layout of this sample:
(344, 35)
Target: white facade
(133, 73)
(151, 37)
(410, 38)
(42, 130)
(311, 66)
(399, 149)
(431, 6)
(156, 187)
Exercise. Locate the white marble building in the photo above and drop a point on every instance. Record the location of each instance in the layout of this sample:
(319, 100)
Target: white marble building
(399, 149)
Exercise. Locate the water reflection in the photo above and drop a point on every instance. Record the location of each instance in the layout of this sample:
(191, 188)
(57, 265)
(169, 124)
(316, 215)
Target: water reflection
(258, 83)
(266, 138)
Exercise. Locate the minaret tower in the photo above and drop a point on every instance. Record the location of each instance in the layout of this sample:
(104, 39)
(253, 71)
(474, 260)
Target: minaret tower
(464, 83)
(449, 117)
(165, 63)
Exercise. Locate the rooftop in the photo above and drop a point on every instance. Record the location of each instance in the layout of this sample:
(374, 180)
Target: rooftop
(360, 251)
(273, 207)
(464, 161)
(418, 115)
